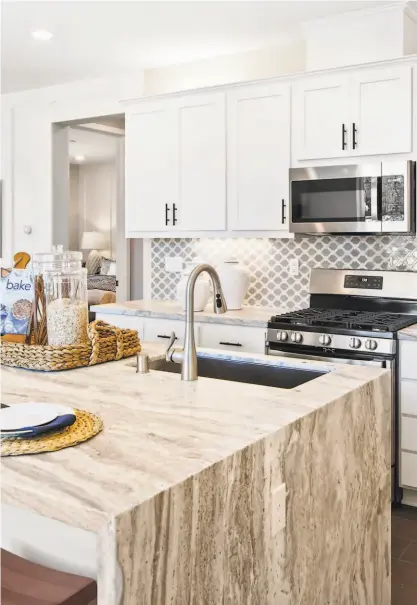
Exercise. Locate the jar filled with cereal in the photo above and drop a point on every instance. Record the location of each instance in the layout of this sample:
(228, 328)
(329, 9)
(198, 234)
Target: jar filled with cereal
(65, 287)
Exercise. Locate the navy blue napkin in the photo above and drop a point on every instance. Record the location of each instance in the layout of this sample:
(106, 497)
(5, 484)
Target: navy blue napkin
(61, 422)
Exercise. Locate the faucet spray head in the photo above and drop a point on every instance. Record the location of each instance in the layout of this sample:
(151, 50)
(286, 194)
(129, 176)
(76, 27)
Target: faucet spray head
(219, 302)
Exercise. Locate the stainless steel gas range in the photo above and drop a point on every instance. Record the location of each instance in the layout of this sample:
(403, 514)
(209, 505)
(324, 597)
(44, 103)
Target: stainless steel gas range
(354, 318)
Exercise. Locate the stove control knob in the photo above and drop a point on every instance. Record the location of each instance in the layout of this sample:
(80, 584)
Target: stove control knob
(371, 345)
(355, 343)
(282, 336)
(325, 340)
(297, 337)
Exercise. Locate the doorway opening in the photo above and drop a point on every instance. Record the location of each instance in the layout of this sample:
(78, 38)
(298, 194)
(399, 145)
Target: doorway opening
(89, 205)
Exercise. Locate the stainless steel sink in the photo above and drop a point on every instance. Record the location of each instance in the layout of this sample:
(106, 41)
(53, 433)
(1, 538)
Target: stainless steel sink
(245, 371)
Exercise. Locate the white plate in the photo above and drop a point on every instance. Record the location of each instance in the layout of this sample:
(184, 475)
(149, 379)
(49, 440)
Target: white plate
(23, 415)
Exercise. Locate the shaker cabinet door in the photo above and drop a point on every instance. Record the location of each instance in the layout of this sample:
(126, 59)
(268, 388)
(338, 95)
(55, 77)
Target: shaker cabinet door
(151, 167)
(381, 111)
(320, 118)
(176, 164)
(258, 128)
(202, 162)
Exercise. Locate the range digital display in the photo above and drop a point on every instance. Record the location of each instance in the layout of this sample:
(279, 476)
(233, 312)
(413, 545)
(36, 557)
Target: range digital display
(364, 282)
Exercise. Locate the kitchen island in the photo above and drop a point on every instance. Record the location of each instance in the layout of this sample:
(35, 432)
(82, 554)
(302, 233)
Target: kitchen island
(215, 492)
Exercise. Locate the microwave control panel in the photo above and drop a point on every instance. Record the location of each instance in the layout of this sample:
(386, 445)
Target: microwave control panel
(364, 282)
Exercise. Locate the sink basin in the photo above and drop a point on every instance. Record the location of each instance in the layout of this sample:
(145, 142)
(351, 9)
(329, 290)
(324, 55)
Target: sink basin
(246, 371)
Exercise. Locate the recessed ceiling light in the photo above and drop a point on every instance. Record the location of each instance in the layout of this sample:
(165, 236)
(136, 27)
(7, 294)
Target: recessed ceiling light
(79, 158)
(42, 34)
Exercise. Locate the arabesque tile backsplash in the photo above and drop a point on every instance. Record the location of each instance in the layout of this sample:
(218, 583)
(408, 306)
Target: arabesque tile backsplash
(271, 284)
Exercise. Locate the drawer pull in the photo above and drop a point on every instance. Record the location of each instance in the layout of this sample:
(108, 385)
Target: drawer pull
(165, 336)
(230, 344)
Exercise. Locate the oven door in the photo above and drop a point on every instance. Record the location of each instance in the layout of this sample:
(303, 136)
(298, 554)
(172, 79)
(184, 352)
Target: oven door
(398, 197)
(336, 199)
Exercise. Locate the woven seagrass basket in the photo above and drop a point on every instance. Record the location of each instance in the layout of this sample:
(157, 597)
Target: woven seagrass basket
(106, 343)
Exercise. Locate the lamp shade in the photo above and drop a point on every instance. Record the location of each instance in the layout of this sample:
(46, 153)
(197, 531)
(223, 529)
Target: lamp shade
(93, 240)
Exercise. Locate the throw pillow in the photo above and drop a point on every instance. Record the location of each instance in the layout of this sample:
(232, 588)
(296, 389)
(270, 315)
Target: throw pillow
(112, 268)
(105, 265)
(93, 263)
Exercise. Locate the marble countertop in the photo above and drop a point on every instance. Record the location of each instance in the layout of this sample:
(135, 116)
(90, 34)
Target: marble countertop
(158, 431)
(409, 333)
(167, 309)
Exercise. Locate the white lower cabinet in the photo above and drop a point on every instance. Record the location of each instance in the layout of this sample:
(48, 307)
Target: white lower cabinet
(160, 330)
(408, 414)
(409, 469)
(408, 366)
(226, 337)
(409, 397)
(233, 338)
(409, 433)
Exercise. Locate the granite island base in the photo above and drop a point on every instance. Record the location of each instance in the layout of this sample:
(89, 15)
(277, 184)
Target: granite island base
(218, 493)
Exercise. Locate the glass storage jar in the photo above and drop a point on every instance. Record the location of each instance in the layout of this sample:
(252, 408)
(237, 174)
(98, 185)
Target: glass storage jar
(65, 291)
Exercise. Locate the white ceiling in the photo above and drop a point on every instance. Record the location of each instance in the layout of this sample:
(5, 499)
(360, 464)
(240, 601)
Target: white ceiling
(95, 147)
(96, 38)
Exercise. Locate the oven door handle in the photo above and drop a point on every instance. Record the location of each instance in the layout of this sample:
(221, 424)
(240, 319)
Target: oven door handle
(379, 363)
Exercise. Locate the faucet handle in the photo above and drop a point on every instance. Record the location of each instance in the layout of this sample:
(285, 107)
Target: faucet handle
(170, 349)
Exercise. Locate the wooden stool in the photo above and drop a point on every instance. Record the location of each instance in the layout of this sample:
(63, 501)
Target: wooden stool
(26, 583)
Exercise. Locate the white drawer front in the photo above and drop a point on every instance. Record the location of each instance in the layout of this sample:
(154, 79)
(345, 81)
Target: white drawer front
(123, 321)
(408, 390)
(409, 433)
(408, 357)
(408, 476)
(233, 338)
(159, 330)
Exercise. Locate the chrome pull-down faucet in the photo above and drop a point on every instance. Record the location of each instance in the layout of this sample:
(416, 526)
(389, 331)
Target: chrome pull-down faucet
(188, 355)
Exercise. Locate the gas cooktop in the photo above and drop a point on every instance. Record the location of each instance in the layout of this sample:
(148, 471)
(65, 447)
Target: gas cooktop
(370, 321)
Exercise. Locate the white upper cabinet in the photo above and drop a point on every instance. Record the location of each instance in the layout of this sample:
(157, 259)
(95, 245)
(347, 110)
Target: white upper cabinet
(320, 116)
(367, 112)
(202, 162)
(381, 111)
(258, 143)
(176, 164)
(151, 167)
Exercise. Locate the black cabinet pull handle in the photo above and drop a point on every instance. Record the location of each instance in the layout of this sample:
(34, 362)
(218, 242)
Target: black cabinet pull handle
(174, 214)
(354, 132)
(165, 336)
(283, 217)
(343, 137)
(230, 344)
(166, 215)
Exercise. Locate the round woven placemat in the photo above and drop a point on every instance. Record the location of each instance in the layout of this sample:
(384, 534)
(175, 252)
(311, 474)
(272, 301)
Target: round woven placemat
(86, 426)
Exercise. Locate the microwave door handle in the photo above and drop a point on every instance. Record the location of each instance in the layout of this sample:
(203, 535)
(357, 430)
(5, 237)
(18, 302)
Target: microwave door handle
(375, 200)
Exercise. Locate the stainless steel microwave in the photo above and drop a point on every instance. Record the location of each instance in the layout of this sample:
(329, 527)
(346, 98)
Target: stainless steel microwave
(363, 198)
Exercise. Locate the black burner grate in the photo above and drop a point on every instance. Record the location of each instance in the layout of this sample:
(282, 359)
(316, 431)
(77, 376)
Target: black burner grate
(378, 321)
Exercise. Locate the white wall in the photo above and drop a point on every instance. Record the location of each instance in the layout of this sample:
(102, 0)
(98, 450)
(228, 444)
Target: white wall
(26, 138)
(280, 60)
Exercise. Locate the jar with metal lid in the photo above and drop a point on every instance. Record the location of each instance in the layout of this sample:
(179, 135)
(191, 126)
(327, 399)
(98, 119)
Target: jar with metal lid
(64, 282)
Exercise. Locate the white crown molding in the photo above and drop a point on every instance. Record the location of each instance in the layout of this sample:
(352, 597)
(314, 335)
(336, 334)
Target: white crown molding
(397, 7)
(286, 78)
